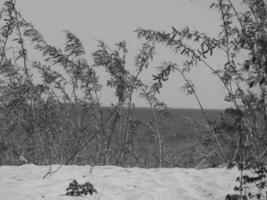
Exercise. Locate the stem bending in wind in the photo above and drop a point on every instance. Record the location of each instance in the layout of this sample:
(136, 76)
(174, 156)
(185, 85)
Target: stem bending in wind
(211, 129)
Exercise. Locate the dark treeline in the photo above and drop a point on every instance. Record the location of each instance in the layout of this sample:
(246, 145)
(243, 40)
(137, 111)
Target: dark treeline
(181, 129)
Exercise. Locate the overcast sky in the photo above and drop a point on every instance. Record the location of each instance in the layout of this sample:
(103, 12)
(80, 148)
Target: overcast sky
(115, 20)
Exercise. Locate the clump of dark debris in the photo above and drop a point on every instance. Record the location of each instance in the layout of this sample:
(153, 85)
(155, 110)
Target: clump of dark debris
(76, 189)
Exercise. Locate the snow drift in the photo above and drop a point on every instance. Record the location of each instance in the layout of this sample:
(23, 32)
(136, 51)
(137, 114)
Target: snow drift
(115, 183)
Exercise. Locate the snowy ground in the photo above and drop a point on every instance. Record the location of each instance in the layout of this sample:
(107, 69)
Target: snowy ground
(114, 183)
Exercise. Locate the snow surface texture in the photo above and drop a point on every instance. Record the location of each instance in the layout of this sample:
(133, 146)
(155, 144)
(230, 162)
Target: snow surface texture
(115, 183)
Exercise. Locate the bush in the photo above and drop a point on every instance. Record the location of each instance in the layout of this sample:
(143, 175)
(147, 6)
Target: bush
(76, 189)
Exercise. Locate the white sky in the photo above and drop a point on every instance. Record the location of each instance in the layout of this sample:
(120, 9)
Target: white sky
(115, 20)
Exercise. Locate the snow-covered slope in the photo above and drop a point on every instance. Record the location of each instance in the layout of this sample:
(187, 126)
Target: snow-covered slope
(114, 183)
